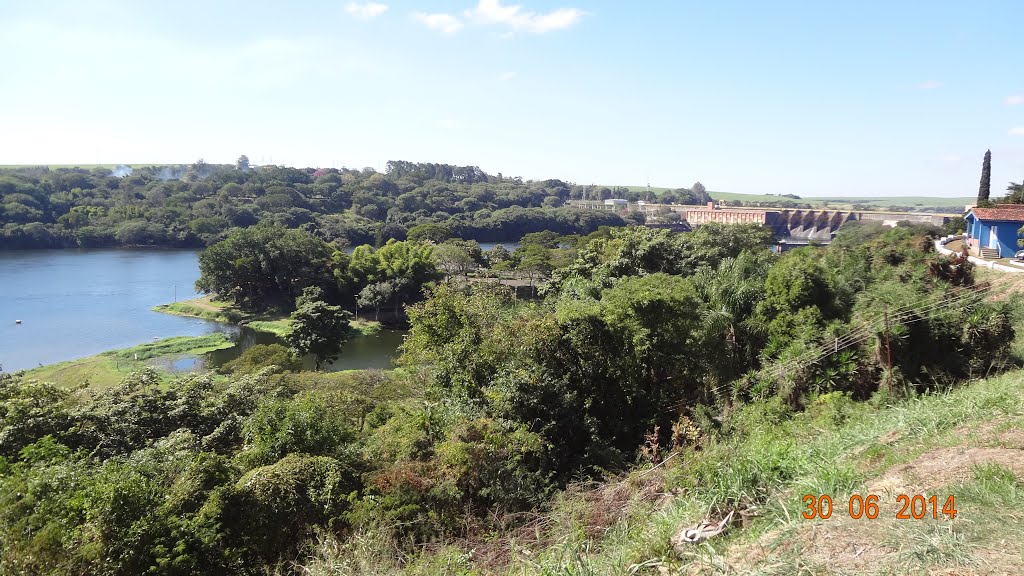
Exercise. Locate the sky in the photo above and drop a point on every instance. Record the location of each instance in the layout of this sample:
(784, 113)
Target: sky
(813, 98)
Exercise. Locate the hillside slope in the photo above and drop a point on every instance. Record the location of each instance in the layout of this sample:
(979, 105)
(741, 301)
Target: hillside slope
(967, 443)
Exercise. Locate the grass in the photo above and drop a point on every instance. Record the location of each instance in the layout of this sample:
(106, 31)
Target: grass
(279, 327)
(174, 346)
(364, 327)
(108, 368)
(203, 307)
(220, 311)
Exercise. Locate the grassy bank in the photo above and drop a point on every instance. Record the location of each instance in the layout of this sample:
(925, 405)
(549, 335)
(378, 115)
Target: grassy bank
(203, 307)
(220, 311)
(108, 368)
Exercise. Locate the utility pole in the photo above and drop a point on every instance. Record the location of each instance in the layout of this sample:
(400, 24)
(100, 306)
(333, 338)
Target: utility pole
(888, 354)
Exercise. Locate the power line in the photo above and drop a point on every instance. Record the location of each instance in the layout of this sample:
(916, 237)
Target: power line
(863, 333)
(907, 314)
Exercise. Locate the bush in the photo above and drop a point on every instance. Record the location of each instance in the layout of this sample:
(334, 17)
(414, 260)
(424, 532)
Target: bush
(307, 424)
(262, 356)
(272, 509)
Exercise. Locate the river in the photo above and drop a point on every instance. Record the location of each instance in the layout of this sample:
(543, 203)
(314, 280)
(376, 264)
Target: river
(76, 303)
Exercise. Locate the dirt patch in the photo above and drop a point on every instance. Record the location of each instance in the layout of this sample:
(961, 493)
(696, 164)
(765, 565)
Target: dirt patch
(986, 431)
(852, 545)
(835, 546)
(1012, 439)
(204, 303)
(942, 467)
(842, 545)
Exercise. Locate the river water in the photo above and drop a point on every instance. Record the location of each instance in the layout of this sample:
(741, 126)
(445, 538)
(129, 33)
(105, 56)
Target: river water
(76, 303)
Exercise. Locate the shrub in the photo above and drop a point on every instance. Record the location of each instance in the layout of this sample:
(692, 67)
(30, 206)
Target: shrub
(262, 356)
(306, 424)
(272, 509)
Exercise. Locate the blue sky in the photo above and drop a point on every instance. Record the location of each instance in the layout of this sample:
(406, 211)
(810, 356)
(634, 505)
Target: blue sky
(812, 98)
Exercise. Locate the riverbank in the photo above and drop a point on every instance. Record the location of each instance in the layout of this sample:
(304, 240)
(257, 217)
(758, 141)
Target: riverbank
(109, 368)
(207, 308)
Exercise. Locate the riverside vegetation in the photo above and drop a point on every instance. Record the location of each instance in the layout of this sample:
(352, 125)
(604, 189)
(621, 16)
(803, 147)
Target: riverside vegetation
(518, 435)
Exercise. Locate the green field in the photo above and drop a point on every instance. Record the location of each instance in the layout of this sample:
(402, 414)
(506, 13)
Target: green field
(953, 205)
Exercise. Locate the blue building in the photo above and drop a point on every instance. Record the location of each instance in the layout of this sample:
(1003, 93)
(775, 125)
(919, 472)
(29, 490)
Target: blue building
(993, 232)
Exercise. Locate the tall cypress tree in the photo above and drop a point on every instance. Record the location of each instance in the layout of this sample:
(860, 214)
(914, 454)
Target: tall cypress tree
(986, 178)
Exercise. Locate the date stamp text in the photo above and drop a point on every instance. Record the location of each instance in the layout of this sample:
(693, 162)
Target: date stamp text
(916, 507)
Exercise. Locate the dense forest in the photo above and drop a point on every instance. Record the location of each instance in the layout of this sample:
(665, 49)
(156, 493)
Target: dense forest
(644, 343)
(196, 205)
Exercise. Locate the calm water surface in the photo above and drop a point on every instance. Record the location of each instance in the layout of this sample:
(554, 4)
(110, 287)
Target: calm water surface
(76, 303)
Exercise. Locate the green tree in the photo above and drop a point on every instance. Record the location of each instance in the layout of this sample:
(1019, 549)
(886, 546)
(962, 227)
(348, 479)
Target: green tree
(986, 179)
(497, 255)
(454, 260)
(376, 295)
(730, 295)
(318, 328)
(546, 238)
(956, 225)
(407, 266)
(431, 232)
(535, 262)
(265, 266)
(1015, 193)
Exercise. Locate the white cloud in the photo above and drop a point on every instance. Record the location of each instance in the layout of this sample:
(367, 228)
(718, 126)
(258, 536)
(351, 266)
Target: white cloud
(930, 85)
(1015, 99)
(513, 16)
(506, 76)
(951, 158)
(445, 23)
(1018, 131)
(366, 10)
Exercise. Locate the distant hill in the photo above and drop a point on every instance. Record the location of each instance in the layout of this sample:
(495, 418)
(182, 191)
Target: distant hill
(82, 166)
(914, 203)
